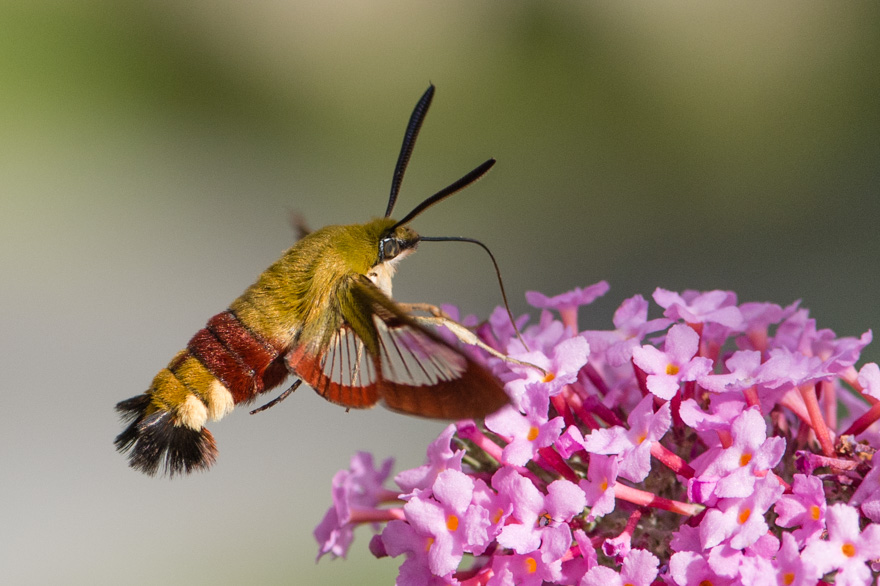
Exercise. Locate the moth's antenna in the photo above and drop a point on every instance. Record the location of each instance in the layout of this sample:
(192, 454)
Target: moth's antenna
(409, 141)
(445, 192)
(497, 273)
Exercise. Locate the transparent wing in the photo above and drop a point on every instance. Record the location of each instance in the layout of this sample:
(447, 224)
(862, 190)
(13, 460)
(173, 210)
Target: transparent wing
(380, 353)
(342, 372)
(409, 355)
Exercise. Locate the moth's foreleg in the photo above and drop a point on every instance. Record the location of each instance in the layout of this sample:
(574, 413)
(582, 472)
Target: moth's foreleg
(465, 335)
(435, 311)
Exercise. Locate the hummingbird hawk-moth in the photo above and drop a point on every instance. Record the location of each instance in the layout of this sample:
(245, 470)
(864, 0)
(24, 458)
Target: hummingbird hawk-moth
(324, 314)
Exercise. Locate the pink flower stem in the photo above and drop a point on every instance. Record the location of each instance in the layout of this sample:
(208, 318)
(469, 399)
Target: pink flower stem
(388, 496)
(554, 461)
(569, 317)
(372, 515)
(577, 405)
(793, 402)
(603, 412)
(471, 432)
(641, 378)
(725, 438)
(671, 460)
(689, 391)
(758, 338)
(851, 377)
(674, 407)
(648, 499)
(829, 403)
(594, 377)
(864, 421)
(632, 522)
(808, 393)
(563, 408)
(481, 578)
(751, 396)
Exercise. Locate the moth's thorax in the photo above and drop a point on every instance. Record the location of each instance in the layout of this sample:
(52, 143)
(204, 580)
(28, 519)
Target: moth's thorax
(382, 273)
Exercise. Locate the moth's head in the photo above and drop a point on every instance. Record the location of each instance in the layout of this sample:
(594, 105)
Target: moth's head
(395, 240)
(391, 242)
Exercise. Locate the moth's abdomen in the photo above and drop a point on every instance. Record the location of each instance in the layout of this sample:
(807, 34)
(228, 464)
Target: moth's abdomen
(224, 364)
(240, 359)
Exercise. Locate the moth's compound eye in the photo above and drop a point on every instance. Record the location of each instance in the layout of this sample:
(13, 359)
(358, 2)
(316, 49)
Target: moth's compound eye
(388, 249)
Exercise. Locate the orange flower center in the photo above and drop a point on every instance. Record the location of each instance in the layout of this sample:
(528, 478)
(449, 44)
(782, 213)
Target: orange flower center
(452, 522)
(498, 514)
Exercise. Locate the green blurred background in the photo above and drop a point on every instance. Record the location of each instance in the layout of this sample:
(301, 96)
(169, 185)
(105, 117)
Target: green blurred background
(150, 153)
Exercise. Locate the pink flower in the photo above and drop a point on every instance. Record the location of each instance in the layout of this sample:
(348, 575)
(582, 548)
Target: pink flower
(792, 568)
(803, 508)
(869, 378)
(739, 522)
(598, 486)
(539, 516)
(399, 538)
(633, 445)
(526, 433)
(638, 569)
(867, 495)
(677, 362)
(735, 469)
(687, 568)
(847, 549)
(694, 307)
(567, 303)
(676, 446)
(356, 492)
(631, 326)
(562, 365)
(440, 457)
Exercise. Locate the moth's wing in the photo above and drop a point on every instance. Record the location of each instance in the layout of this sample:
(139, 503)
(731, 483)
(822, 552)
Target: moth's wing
(382, 353)
(421, 374)
(299, 224)
(338, 363)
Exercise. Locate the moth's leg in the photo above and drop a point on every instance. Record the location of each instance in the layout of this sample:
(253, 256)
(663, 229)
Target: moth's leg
(279, 398)
(462, 333)
(425, 307)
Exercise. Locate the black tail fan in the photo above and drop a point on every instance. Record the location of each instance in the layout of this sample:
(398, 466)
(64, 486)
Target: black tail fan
(154, 442)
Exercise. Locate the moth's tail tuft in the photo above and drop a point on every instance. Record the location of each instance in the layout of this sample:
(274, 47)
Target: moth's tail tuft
(155, 441)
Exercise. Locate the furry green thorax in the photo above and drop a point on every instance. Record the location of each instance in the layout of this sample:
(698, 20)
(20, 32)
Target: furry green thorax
(306, 281)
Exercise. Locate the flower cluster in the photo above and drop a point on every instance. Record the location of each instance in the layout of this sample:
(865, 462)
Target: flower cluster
(722, 443)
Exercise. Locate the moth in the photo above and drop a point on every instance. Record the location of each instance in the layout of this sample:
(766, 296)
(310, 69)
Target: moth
(324, 314)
